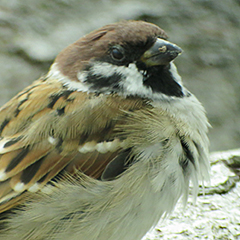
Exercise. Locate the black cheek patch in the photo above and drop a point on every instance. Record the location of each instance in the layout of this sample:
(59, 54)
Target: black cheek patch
(101, 81)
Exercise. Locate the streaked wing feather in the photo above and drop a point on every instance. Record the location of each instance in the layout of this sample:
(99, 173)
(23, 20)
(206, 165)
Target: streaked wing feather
(47, 130)
(13, 201)
(91, 164)
(20, 161)
(5, 188)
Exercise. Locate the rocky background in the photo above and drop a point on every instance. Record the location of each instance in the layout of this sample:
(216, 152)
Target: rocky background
(32, 32)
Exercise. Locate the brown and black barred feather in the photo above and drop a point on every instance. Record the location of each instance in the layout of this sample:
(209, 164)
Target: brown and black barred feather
(47, 130)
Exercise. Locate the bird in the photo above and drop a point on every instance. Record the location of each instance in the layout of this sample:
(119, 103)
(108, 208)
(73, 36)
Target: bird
(105, 144)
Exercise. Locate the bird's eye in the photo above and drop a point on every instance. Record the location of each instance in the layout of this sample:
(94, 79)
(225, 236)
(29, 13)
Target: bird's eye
(117, 54)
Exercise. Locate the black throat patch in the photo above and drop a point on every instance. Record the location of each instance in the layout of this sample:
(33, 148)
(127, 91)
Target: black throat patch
(160, 79)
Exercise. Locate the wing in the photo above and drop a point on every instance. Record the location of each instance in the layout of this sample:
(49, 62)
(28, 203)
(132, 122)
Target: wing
(47, 130)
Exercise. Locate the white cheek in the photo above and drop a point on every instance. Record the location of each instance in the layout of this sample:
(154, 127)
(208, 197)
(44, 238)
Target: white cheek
(132, 84)
(174, 72)
(106, 69)
(71, 85)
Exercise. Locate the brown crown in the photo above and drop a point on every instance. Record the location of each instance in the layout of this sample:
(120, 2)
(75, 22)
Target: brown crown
(95, 44)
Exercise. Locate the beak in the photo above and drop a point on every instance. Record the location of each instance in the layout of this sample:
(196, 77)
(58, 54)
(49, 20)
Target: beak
(161, 53)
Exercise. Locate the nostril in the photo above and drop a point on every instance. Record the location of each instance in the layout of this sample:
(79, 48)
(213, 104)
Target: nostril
(162, 49)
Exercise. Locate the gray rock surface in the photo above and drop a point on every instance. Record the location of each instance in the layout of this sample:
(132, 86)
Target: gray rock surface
(215, 215)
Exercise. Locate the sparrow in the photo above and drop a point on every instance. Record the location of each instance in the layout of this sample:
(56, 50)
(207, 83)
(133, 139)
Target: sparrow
(105, 144)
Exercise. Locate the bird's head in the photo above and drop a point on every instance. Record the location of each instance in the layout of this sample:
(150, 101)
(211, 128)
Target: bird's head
(128, 58)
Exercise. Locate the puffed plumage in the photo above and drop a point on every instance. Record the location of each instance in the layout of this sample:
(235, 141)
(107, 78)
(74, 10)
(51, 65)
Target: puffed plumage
(105, 144)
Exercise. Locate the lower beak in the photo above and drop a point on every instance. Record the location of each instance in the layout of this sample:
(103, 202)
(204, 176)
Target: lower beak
(161, 53)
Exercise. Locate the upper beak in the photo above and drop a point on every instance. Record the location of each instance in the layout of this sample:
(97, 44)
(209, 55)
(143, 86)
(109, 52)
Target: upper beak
(161, 53)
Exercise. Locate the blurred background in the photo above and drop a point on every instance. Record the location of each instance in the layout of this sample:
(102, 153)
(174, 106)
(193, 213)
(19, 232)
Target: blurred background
(32, 32)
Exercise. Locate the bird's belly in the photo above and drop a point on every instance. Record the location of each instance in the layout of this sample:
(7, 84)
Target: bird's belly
(139, 206)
